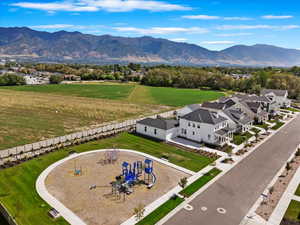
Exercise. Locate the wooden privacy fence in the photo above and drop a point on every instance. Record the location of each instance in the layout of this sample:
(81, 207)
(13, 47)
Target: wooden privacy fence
(12, 156)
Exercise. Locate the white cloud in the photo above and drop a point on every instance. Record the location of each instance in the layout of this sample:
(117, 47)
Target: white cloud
(234, 34)
(237, 18)
(272, 17)
(178, 39)
(207, 17)
(58, 6)
(107, 5)
(52, 26)
(217, 42)
(253, 27)
(161, 30)
(201, 17)
(66, 26)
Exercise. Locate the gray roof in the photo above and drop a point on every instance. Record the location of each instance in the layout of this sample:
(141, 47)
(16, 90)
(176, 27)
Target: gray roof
(275, 91)
(254, 106)
(204, 116)
(226, 103)
(194, 107)
(238, 116)
(213, 105)
(164, 124)
(252, 98)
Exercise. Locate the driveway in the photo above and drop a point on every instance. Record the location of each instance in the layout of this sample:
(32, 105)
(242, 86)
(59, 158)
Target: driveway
(239, 189)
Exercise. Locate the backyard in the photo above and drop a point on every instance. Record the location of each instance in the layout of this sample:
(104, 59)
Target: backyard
(17, 183)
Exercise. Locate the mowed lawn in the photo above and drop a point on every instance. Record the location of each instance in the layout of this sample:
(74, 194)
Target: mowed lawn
(17, 184)
(180, 97)
(293, 212)
(80, 90)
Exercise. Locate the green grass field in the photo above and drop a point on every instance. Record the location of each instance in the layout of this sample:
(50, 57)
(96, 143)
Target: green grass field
(17, 184)
(293, 211)
(33, 113)
(196, 185)
(161, 211)
(131, 92)
(181, 97)
(80, 90)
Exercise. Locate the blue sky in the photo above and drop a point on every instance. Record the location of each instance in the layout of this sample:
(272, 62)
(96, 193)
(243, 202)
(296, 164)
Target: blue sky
(213, 24)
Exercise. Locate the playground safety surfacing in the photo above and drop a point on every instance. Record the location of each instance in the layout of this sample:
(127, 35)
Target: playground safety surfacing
(98, 206)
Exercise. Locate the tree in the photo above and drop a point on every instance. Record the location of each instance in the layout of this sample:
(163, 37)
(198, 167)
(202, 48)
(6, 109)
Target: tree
(183, 182)
(139, 211)
(288, 167)
(56, 79)
(11, 79)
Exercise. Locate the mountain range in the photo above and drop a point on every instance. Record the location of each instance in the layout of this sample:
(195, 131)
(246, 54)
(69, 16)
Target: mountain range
(62, 46)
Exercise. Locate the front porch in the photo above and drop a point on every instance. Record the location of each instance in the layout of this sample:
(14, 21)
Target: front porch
(223, 136)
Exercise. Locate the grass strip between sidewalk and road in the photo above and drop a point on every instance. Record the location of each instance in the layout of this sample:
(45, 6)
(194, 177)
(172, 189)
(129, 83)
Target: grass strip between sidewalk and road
(161, 211)
(196, 185)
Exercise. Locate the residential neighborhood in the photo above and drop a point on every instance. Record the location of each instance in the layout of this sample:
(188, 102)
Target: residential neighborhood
(215, 123)
(149, 112)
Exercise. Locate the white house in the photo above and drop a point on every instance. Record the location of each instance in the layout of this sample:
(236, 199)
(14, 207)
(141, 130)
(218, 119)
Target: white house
(157, 128)
(238, 121)
(279, 97)
(206, 126)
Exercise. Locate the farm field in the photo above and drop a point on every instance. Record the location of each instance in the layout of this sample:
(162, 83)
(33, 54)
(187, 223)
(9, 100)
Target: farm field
(33, 113)
(27, 117)
(18, 193)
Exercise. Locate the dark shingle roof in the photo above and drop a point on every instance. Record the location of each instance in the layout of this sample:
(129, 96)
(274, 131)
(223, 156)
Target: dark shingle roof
(238, 116)
(213, 105)
(252, 98)
(159, 123)
(204, 116)
(254, 106)
(275, 91)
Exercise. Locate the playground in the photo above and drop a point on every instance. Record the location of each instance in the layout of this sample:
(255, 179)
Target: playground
(104, 187)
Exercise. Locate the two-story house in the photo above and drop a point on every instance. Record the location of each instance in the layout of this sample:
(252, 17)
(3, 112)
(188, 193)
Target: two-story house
(203, 125)
(279, 97)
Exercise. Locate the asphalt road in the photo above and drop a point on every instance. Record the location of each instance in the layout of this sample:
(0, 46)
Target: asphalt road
(238, 190)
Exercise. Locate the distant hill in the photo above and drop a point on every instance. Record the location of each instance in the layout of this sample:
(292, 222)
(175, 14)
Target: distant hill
(63, 46)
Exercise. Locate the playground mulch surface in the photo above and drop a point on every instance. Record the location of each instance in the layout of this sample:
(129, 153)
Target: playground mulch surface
(99, 206)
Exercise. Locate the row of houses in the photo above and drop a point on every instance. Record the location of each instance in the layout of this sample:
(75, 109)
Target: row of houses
(215, 122)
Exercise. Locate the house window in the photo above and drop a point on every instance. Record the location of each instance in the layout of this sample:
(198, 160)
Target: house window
(189, 124)
(209, 137)
(194, 125)
(155, 131)
(198, 126)
(145, 129)
(193, 132)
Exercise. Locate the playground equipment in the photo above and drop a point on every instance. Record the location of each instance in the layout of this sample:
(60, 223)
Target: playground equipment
(110, 157)
(149, 176)
(130, 176)
(77, 170)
